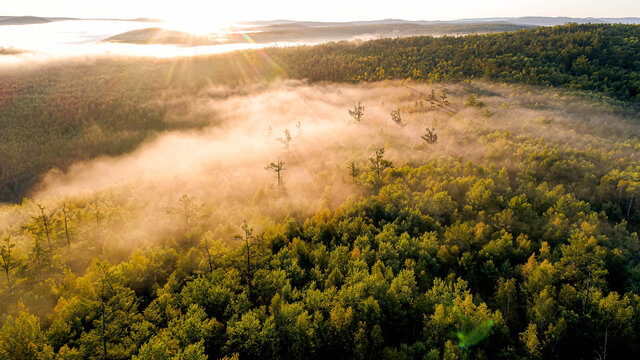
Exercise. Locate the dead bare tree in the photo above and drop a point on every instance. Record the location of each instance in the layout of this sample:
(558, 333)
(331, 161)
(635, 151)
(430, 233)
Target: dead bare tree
(397, 118)
(430, 137)
(277, 168)
(357, 113)
(285, 139)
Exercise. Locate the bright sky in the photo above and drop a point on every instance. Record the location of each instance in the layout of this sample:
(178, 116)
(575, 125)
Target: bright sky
(324, 10)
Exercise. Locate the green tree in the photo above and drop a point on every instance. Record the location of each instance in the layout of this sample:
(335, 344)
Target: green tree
(582, 264)
(616, 323)
(506, 298)
(44, 220)
(66, 225)
(246, 236)
(9, 259)
(379, 164)
(22, 339)
(354, 171)
(213, 249)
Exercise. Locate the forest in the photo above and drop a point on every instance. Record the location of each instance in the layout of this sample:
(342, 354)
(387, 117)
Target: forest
(108, 106)
(343, 200)
(600, 58)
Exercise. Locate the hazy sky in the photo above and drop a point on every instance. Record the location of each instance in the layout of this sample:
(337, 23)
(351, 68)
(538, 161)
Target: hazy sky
(330, 10)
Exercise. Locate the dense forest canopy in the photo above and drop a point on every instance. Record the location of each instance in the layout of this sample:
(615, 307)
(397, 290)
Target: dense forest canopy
(214, 207)
(602, 58)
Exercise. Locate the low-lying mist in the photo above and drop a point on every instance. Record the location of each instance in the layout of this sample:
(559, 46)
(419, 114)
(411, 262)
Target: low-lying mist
(222, 168)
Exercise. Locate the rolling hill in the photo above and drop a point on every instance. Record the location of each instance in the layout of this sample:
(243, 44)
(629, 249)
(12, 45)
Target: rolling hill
(309, 32)
(23, 20)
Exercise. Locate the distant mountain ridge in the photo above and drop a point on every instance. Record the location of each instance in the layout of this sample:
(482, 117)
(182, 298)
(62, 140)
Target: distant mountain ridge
(23, 20)
(30, 20)
(551, 21)
(525, 20)
(160, 36)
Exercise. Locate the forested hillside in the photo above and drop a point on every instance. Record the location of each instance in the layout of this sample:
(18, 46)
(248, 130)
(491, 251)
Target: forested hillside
(109, 106)
(602, 58)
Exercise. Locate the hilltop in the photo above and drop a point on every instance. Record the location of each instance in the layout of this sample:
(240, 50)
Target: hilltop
(23, 20)
(160, 36)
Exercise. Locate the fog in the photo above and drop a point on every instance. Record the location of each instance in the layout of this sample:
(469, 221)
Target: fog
(222, 166)
(79, 39)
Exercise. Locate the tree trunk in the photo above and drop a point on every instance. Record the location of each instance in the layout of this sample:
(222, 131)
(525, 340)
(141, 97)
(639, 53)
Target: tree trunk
(206, 248)
(7, 263)
(606, 335)
(248, 266)
(66, 228)
(6, 271)
(104, 339)
(45, 223)
(506, 314)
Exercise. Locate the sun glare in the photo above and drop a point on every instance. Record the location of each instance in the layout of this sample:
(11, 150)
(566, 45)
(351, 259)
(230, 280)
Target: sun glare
(198, 24)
